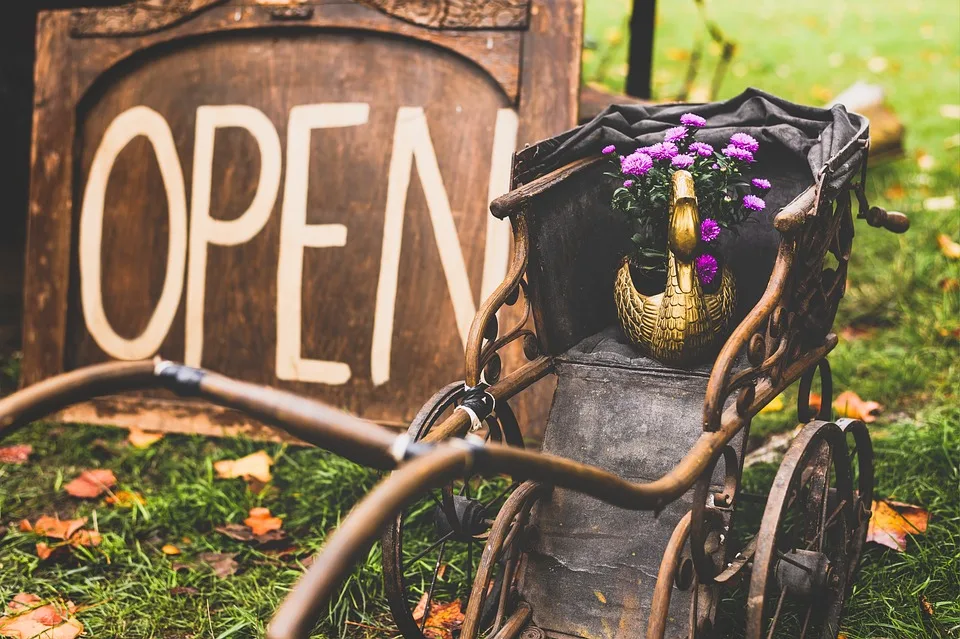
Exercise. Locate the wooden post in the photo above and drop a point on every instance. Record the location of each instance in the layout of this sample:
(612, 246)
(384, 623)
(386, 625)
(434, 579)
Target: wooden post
(642, 27)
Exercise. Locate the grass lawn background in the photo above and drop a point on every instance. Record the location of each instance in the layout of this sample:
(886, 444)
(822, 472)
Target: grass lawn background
(906, 359)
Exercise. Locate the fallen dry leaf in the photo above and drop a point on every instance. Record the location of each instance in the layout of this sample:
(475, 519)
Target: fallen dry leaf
(57, 528)
(17, 454)
(260, 521)
(775, 405)
(126, 499)
(948, 247)
(892, 521)
(142, 439)
(86, 538)
(222, 564)
(949, 284)
(28, 618)
(236, 531)
(856, 332)
(849, 404)
(184, 591)
(895, 192)
(91, 483)
(256, 466)
(170, 549)
(44, 551)
(442, 620)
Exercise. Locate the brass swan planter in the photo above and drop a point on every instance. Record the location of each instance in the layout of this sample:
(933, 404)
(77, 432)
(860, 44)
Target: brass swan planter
(681, 325)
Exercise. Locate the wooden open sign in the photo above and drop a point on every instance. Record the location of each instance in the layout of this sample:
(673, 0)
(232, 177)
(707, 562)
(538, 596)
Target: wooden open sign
(291, 194)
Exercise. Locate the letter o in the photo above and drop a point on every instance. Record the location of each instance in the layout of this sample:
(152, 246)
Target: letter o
(125, 127)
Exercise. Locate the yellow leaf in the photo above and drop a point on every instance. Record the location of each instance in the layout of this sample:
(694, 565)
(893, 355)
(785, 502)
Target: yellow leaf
(256, 466)
(775, 405)
(948, 247)
(126, 499)
(142, 439)
(170, 549)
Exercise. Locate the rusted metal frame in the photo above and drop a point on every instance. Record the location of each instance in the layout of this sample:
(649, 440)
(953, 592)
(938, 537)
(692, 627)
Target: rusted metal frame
(719, 386)
(457, 424)
(801, 454)
(434, 466)
(702, 560)
(516, 623)
(309, 420)
(512, 203)
(660, 606)
(486, 315)
(508, 519)
(349, 543)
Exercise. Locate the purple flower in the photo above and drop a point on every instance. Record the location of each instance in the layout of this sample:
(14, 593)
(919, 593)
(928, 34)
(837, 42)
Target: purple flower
(744, 141)
(706, 266)
(691, 119)
(753, 203)
(636, 163)
(714, 166)
(675, 134)
(682, 161)
(607, 150)
(662, 150)
(627, 183)
(761, 183)
(702, 149)
(709, 230)
(737, 153)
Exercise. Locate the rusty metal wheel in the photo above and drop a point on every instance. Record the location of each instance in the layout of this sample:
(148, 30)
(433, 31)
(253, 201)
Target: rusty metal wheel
(431, 550)
(802, 561)
(493, 588)
(861, 471)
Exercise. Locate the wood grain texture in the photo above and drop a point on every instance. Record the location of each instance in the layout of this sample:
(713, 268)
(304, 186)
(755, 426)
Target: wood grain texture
(135, 18)
(458, 14)
(238, 53)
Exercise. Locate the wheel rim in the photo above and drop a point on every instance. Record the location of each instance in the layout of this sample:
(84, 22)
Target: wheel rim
(411, 570)
(801, 562)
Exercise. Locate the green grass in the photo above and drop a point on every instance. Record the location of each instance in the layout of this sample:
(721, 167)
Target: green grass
(806, 52)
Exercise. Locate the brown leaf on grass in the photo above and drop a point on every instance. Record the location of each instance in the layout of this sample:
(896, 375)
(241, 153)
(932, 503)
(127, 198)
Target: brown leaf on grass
(89, 538)
(184, 591)
(142, 439)
(442, 620)
(222, 564)
(236, 531)
(259, 527)
(949, 284)
(851, 333)
(91, 483)
(892, 521)
(17, 454)
(170, 549)
(126, 499)
(849, 404)
(57, 528)
(260, 521)
(895, 192)
(28, 618)
(948, 247)
(256, 466)
(926, 606)
(44, 551)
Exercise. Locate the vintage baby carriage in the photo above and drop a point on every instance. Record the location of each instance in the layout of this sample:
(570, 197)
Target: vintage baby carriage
(628, 522)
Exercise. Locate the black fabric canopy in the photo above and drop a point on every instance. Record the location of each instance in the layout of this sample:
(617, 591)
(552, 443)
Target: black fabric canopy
(788, 133)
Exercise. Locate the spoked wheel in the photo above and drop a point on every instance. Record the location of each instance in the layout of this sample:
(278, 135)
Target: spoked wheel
(861, 471)
(492, 597)
(431, 550)
(802, 560)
